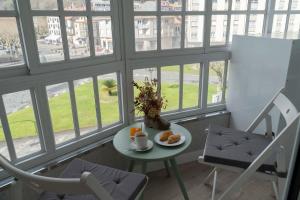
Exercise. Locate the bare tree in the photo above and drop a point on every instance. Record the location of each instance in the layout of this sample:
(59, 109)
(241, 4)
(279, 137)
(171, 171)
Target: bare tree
(218, 68)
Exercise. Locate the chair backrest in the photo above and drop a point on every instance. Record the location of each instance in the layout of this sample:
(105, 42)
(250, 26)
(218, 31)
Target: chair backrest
(285, 107)
(86, 184)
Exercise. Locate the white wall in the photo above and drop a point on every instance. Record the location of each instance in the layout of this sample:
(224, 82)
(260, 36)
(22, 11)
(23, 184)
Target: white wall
(257, 70)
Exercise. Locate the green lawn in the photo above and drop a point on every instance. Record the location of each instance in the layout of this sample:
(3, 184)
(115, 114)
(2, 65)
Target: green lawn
(22, 122)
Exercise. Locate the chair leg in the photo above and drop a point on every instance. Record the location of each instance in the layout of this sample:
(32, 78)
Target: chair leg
(275, 188)
(206, 180)
(214, 185)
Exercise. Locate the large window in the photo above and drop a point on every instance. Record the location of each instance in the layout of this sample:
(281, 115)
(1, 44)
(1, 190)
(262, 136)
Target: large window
(171, 25)
(75, 29)
(11, 53)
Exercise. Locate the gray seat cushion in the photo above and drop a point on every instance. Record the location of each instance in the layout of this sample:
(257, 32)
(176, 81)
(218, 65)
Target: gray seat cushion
(236, 148)
(120, 184)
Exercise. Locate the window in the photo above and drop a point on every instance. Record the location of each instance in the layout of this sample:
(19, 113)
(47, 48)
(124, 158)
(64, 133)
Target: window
(237, 26)
(139, 75)
(11, 53)
(239, 4)
(48, 38)
(67, 36)
(145, 33)
(22, 123)
(195, 5)
(218, 32)
(294, 27)
(170, 86)
(255, 27)
(77, 33)
(278, 26)
(281, 4)
(61, 112)
(145, 5)
(85, 104)
(109, 99)
(194, 26)
(215, 82)
(3, 145)
(191, 87)
(170, 32)
(219, 5)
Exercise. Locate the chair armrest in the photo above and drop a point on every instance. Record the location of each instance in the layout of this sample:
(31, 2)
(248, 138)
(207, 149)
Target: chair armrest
(96, 188)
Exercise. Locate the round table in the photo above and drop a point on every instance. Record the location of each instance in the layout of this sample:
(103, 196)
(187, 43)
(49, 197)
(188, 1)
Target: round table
(122, 142)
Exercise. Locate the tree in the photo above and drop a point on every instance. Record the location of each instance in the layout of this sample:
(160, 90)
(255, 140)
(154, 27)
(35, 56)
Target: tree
(109, 86)
(11, 42)
(218, 68)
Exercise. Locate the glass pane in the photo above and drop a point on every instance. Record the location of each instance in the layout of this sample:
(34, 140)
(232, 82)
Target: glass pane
(3, 145)
(61, 112)
(10, 46)
(43, 5)
(171, 5)
(145, 33)
(215, 82)
(170, 86)
(139, 75)
(256, 25)
(170, 32)
(194, 31)
(278, 26)
(191, 78)
(78, 37)
(74, 5)
(103, 40)
(22, 123)
(7, 5)
(281, 4)
(239, 4)
(195, 5)
(295, 5)
(219, 4)
(85, 102)
(237, 25)
(48, 38)
(100, 5)
(145, 5)
(109, 100)
(294, 27)
(218, 30)
(258, 4)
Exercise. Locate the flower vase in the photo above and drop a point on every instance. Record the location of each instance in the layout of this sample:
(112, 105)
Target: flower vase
(156, 123)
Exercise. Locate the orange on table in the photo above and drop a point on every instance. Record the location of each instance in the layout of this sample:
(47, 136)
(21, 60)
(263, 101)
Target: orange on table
(134, 130)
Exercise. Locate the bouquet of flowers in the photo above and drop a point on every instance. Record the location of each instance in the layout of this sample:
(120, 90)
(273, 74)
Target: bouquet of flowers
(148, 101)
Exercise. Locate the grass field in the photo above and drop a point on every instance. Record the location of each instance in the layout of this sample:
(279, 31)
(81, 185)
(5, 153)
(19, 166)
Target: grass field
(22, 122)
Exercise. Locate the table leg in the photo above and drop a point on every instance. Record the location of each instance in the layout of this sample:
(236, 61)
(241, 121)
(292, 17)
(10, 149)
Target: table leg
(144, 167)
(167, 168)
(131, 165)
(179, 180)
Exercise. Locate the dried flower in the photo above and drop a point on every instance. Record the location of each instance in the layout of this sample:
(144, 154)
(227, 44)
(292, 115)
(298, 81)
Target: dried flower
(148, 101)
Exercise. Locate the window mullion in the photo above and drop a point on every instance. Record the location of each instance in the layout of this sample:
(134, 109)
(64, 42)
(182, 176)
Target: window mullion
(74, 108)
(224, 82)
(204, 92)
(182, 45)
(228, 21)
(64, 36)
(90, 28)
(200, 89)
(97, 102)
(45, 118)
(287, 19)
(270, 17)
(181, 71)
(7, 133)
(159, 80)
(207, 24)
(120, 95)
(27, 29)
(37, 119)
(158, 25)
(247, 17)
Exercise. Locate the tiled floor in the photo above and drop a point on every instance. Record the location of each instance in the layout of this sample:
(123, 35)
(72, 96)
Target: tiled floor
(163, 188)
